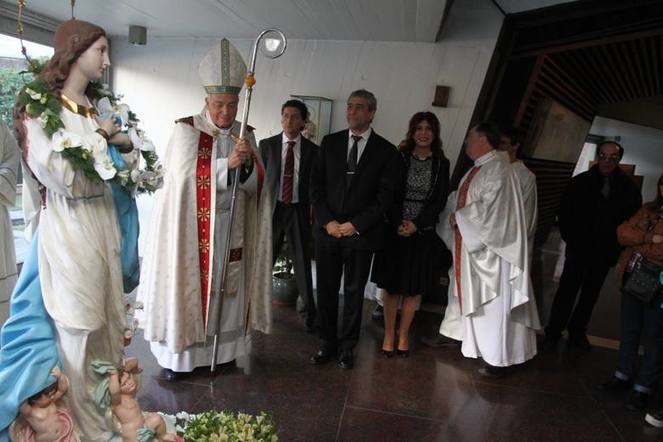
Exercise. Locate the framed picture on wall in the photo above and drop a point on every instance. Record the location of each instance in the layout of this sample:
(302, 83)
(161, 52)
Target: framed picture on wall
(320, 112)
(556, 133)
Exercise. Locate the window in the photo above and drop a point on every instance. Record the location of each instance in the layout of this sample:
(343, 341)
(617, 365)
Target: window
(12, 64)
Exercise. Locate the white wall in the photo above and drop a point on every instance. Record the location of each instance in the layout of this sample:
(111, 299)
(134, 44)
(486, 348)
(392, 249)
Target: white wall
(643, 146)
(160, 81)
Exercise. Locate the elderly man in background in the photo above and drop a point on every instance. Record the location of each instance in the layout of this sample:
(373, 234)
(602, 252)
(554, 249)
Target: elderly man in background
(595, 203)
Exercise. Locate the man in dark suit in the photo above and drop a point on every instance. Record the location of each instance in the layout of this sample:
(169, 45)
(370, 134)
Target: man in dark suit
(288, 158)
(352, 187)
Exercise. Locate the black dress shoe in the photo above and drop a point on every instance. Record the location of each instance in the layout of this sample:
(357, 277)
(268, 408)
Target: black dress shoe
(580, 341)
(403, 353)
(615, 385)
(322, 356)
(346, 361)
(388, 353)
(170, 375)
(637, 401)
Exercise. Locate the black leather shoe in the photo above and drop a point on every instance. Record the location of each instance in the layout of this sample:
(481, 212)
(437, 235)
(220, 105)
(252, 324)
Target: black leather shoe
(615, 385)
(322, 356)
(170, 375)
(637, 401)
(579, 341)
(403, 353)
(346, 361)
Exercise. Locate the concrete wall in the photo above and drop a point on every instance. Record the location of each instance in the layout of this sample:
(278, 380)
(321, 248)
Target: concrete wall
(160, 81)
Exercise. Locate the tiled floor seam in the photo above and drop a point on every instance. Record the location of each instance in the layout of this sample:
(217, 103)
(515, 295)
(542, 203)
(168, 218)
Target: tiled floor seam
(345, 404)
(393, 413)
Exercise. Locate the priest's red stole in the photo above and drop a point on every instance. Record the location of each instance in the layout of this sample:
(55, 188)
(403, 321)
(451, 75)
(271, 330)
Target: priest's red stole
(462, 198)
(204, 208)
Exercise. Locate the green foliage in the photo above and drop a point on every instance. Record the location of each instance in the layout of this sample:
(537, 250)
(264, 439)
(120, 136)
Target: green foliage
(11, 82)
(218, 426)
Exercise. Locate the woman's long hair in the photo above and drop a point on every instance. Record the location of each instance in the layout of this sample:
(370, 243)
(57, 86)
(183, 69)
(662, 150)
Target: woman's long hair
(72, 38)
(658, 202)
(436, 146)
(59, 66)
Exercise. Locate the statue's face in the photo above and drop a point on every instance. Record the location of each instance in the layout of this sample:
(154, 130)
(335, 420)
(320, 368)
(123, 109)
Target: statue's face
(94, 60)
(222, 108)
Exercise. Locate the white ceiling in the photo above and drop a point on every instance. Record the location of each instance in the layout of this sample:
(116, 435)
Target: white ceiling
(376, 20)
(515, 6)
(380, 20)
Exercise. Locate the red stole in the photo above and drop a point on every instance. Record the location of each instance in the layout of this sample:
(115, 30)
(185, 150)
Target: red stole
(204, 215)
(462, 198)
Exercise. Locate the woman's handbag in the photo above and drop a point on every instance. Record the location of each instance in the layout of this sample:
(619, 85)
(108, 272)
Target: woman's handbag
(643, 280)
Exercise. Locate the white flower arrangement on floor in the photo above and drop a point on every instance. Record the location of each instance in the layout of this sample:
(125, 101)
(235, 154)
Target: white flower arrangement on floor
(224, 426)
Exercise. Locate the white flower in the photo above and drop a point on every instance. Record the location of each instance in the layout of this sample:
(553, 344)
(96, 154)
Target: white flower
(104, 167)
(33, 94)
(66, 140)
(123, 176)
(135, 137)
(43, 119)
(123, 111)
(135, 175)
(147, 146)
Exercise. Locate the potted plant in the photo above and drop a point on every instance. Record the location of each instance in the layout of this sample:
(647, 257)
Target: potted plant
(284, 284)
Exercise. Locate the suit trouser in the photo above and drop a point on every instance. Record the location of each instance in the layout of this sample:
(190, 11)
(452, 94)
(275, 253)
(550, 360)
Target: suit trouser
(289, 222)
(580, 273)
(639, 318)
(335, 259)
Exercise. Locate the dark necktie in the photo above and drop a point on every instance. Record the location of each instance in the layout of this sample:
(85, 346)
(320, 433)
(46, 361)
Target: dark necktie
(288, 174)
(352, 160)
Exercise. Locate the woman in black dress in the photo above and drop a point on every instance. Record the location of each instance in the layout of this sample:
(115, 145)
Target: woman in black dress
(404, 269)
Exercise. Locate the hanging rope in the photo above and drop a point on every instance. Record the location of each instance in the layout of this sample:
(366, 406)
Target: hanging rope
(19, 30)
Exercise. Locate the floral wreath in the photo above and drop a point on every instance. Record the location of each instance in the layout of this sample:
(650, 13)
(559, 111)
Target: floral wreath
(42, 104)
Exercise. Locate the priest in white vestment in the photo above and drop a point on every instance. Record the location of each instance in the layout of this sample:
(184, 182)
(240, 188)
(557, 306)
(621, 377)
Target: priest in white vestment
(510, 143)
(491, 307)
(180, 284)
(9, 157)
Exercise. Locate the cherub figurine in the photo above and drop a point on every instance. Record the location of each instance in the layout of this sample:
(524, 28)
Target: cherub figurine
(134, 426)
(45, 417)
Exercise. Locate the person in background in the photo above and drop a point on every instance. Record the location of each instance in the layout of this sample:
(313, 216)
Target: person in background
(352, 187)
(642, 235)
(594, 204)
(288, 158)
(404, 268)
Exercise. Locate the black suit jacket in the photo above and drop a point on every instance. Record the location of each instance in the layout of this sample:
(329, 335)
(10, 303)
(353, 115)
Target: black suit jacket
(369, 196)
(270, 151)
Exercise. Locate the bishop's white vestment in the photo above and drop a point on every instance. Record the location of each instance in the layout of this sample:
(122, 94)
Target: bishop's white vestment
(9, 156)
(491, 304)
(180, 286)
